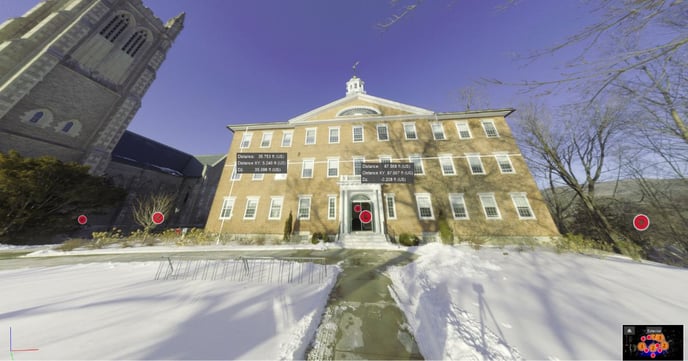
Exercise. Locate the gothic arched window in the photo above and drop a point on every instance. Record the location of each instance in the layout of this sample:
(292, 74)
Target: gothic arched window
(135, 43)
(41, 117)
(71, 128)
(36, 117)
(115, 27)
(67, 127)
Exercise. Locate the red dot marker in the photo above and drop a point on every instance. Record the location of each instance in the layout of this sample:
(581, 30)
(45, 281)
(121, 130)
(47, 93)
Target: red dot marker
(365, 217)
(82, 219)
(158, 217)
(357, 208)
(641, 222)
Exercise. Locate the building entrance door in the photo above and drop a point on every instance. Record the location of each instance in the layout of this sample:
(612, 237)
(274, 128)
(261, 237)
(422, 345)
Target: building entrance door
(361, 216)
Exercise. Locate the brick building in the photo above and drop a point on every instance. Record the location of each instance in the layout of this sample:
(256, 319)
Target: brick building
(468, 170)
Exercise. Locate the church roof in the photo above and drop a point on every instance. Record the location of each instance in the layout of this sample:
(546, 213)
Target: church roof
(142, 152)
(211, 160)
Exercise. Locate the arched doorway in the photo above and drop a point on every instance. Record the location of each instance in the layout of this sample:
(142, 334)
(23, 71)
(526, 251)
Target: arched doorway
(362, 216)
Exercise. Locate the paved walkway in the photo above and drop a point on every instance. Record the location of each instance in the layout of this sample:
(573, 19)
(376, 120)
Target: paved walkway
(361, 320)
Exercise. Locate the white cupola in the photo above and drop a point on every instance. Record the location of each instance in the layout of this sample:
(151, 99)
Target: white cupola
(355, 86)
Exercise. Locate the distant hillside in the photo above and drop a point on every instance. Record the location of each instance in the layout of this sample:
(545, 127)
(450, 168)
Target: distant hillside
(664, 201)
(629, 189)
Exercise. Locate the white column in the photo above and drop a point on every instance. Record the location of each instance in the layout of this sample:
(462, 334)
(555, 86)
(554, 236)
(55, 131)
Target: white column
(378, 212)
(343, 200)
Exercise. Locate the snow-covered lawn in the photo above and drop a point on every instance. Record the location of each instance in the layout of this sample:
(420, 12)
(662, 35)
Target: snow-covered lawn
(117, 311)
(464, 304)
(460, 303)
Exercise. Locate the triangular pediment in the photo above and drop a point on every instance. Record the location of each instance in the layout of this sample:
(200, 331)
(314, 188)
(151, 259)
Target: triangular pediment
(359, 105)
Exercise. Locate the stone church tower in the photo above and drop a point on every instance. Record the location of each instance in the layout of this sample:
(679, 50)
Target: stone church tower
(72, 75)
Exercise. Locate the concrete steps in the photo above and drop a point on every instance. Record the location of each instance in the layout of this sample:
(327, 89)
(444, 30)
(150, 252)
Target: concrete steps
(364, 241)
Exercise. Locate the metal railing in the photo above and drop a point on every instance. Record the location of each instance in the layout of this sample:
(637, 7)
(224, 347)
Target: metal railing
(245, 269)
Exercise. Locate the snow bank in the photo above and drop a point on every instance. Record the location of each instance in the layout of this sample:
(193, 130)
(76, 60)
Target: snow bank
(116, 311)
(177, 249)
(10, 247)
(497, 304)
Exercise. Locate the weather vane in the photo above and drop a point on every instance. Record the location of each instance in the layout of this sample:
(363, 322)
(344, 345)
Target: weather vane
(354, 67)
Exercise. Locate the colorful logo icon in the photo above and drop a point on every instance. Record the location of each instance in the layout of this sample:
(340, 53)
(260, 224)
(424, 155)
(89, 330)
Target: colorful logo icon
(653, 345)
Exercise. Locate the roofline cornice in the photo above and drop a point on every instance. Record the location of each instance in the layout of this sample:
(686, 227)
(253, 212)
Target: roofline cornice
(254, 126)
(376, 119)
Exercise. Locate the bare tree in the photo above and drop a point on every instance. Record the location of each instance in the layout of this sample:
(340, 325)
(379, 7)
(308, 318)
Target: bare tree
(144, 208)
(576, 152)
(473, 97)
(401, 10)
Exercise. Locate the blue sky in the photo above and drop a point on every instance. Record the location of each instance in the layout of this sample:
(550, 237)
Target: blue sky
(270, 60)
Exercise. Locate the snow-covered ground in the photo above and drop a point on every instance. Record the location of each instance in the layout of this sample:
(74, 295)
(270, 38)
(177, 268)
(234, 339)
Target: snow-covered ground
(117, 311)
(464, 304)
(460, 303)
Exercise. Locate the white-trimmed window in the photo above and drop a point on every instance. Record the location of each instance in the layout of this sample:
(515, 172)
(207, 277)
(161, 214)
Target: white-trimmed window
(490, 129)
(447, 164)
(304, 211)
(417, 164)
(437, 131)
(307, 168)
(332, 167)
(463, 130)
(276, 207)
(391, 206)
(357, 133)
(475, 164)
(334, 135)
(331, 206)
(235, 176)
(258, 176)
(227, 207)
(310, 136)
(286, 138)
(382, 132)
(282, 176)
(522, 206)
(504, 163)
(410, 131)
(489, 206)
(385, 159)
(357, 164)
(458, 206)
(424, 204)
(266, 141)
(251, 207)
(246, 140)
